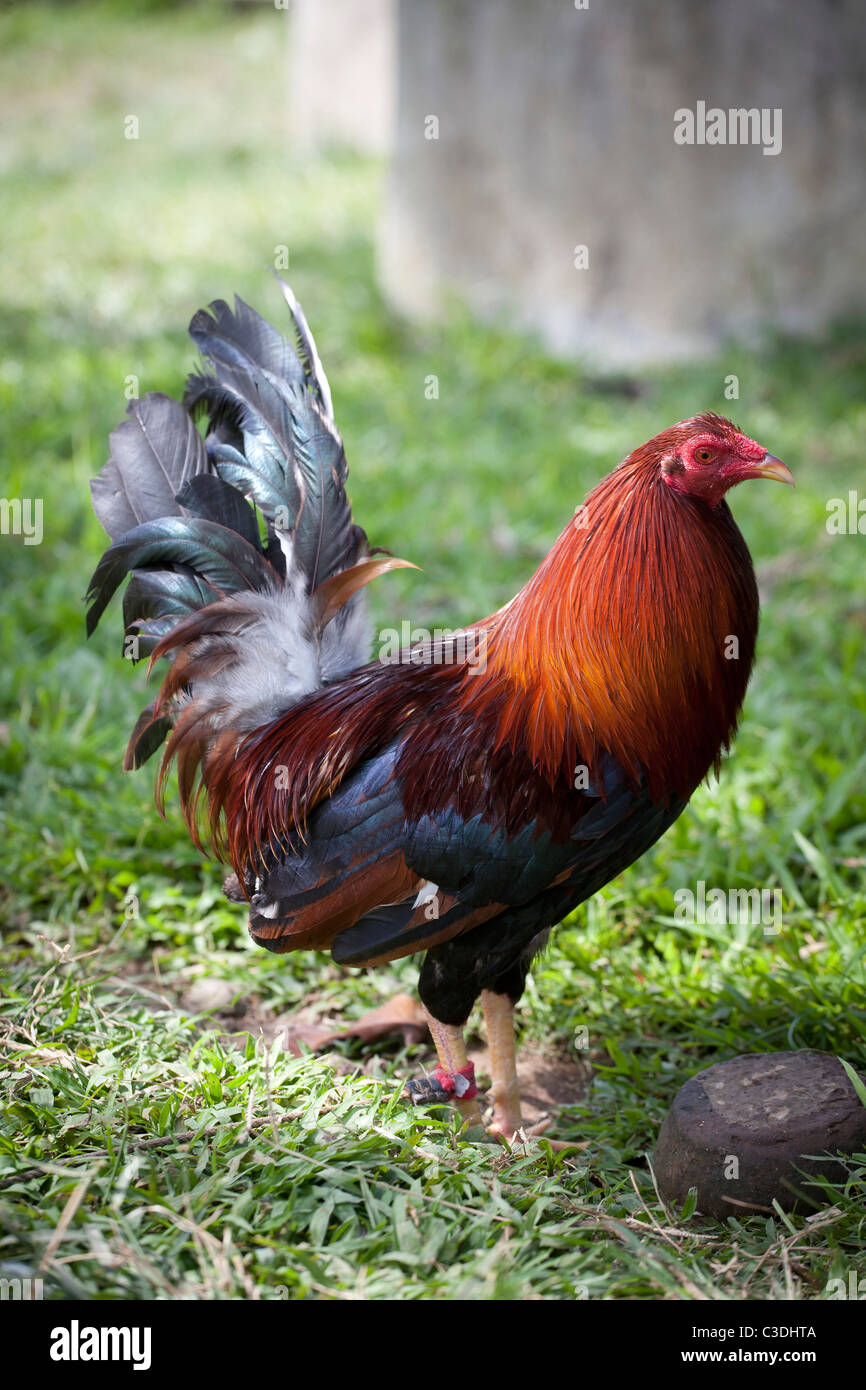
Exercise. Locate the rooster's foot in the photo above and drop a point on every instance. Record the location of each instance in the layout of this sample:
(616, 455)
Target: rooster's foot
(443, 1085)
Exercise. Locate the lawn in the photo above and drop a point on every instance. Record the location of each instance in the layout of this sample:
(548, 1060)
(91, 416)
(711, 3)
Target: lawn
(147, 1149)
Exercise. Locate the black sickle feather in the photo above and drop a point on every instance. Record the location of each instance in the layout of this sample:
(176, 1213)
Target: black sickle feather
(314, 372)
(153, 454)
(292, 464)
(220, 556)
(155, 601)
(213, 499)
(146, 737)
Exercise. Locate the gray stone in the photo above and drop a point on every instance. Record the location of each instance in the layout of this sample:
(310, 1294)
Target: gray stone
(342, 75)
(556, 130)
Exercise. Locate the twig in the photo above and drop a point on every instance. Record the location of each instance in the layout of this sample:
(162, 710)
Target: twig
(73, 1202)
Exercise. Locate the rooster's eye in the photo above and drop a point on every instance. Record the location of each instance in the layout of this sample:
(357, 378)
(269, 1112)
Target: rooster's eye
(703, 455)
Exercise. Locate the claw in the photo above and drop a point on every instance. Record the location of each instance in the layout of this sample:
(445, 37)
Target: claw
(426, 1090)
(444, 1085)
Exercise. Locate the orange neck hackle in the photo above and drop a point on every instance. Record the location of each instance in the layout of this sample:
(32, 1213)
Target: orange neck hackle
(634, 637)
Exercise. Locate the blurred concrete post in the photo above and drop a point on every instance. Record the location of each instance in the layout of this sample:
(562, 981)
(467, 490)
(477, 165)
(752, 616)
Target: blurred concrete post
(342, 74)
(536, 171)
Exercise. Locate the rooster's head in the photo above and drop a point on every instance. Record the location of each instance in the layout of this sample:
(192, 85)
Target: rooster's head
(705, 456)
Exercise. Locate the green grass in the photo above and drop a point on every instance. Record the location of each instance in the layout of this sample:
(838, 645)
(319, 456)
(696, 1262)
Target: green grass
(141, 1153)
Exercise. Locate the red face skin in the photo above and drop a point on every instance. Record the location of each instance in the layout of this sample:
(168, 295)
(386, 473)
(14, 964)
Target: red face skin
(706, 464)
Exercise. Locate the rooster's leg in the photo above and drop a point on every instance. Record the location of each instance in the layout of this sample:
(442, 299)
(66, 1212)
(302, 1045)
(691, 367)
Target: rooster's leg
(454, 1063)
(499, 1018)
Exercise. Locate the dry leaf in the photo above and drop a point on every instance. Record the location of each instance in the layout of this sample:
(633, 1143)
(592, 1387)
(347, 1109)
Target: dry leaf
(401, 1015)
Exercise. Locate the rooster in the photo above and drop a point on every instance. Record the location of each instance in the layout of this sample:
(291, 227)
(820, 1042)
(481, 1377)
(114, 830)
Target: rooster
(463, 795)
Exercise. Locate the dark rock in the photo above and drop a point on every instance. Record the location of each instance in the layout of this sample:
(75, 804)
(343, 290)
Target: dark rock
(755, 1129)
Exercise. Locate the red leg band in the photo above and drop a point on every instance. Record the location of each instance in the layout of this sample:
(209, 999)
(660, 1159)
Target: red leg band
(458, 1083)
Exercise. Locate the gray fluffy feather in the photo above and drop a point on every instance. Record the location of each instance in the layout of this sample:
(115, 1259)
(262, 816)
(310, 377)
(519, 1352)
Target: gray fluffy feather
(276, 656)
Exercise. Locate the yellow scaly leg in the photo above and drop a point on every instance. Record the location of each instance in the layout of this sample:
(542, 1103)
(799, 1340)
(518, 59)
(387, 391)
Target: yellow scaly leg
(451, 1051)
(505, 1091)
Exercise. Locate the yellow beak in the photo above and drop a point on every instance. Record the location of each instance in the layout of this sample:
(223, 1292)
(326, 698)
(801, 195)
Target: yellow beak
(771, 467)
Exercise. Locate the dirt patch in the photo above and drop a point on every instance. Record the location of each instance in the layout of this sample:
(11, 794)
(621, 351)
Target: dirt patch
(548, 1082)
